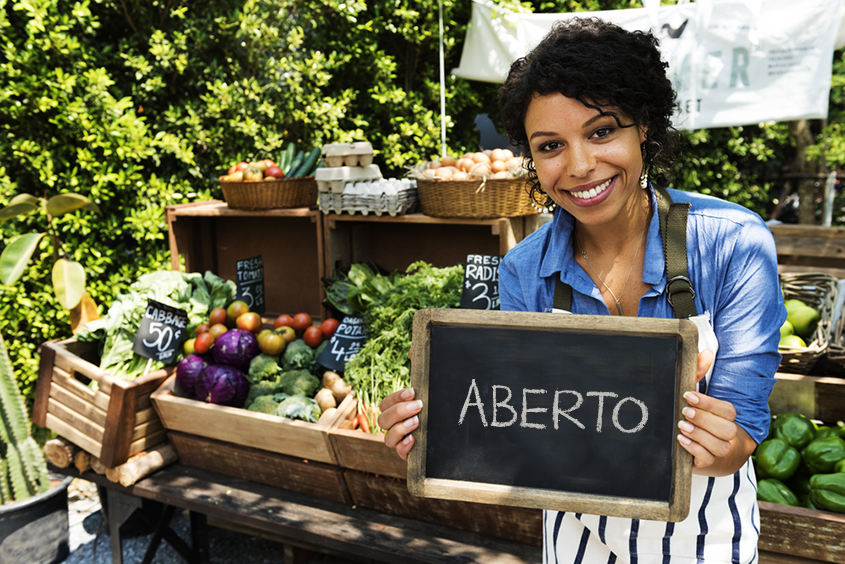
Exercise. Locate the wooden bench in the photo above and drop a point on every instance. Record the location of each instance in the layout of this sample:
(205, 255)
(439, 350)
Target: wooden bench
(298, 521)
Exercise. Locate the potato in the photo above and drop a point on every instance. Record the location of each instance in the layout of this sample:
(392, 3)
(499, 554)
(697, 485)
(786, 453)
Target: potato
(329, 378)
(325, 399)
(328, 413)
(341, 389)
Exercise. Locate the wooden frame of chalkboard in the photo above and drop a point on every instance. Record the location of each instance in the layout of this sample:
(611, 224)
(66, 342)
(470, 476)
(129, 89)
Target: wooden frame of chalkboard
(554, 458)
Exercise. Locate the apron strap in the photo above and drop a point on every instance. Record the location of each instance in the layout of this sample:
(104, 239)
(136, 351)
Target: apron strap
(673, 228)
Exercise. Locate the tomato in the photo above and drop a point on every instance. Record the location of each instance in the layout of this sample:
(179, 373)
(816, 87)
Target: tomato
(202, 344)
(217, 329)
(217, 315)
(313, 336)
(235, 310)
(188, 347)
(201, 328)
(328, 327)
(301, 322)
(287, 332)
(282, 321)
(272, 344)
(249, 321)
(241, 166)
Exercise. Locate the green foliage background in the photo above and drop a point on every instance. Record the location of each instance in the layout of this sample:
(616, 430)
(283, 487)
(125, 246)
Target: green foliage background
(140, 104)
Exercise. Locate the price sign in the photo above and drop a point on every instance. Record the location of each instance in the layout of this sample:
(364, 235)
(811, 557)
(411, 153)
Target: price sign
(250, 283)
(344, 344)
(481, 282)
(160, 335)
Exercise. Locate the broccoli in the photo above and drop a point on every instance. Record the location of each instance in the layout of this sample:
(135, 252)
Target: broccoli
(298, 383)
(264, 404)
(262, 388)
(298, 355)
(263, 367)
(298, 407)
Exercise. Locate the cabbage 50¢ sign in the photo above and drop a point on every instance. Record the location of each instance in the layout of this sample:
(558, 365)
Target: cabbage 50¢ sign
(161, 332)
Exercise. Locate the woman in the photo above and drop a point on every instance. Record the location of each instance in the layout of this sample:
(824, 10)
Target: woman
(591, 106)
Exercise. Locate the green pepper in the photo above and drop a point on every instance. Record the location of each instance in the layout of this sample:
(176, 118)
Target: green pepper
(775, 491)
(839, 466)
(821, 455)
(776, 459)
(828, 492)
(796, 429)
(823, 432)
(800, 484)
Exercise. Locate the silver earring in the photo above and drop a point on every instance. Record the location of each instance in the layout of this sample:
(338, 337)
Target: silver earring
(644, 173)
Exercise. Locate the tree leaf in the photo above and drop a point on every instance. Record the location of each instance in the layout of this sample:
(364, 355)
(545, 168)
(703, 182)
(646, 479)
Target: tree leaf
(14, 210)
(82, 313)
(24, 198)
(68, 282)
(16, 255)
(66, 203)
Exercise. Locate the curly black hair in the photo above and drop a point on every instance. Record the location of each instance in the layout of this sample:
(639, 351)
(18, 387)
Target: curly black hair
(604, 67)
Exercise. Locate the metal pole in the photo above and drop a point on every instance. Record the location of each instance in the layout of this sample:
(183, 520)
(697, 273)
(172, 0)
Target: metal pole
(442, 86)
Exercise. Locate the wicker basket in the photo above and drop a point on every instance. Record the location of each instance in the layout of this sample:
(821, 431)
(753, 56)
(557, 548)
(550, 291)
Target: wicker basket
(836, 350)
(269, 194)
(480, 199)
(819, 291)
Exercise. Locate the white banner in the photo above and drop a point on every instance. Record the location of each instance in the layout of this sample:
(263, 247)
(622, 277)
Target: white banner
(732, 62)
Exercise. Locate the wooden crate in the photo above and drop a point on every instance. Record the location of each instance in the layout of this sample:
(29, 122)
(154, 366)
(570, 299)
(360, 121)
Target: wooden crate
(395, 242)
(366, 452)
(810, 248)
(112, 422)
(212, 236)
(797, 531)
(261, 466)
(801, 532)
(240, 427)
(390, 495)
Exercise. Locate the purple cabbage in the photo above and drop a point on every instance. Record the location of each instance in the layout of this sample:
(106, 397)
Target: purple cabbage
(188, 370)
(222, 385)
(235, 348)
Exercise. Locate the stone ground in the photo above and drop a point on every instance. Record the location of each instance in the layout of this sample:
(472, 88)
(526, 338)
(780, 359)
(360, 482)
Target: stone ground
(90, 543)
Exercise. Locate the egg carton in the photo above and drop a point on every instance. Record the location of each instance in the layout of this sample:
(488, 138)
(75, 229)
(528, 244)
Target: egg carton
(359, 153)
(391, 196)
(335, 178)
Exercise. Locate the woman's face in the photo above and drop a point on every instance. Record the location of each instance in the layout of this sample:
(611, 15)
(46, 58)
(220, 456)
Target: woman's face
(585, 162)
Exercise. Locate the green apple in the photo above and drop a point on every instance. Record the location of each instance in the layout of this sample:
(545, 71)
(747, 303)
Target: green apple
(804, 321)
(786, 329)
(793, 304)
(792, 341)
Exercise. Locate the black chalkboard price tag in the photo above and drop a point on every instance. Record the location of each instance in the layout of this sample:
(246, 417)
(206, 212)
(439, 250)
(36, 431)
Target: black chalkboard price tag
(481, 282)
(344, 345)
(161, 331)
(564, 412)
(249, 280)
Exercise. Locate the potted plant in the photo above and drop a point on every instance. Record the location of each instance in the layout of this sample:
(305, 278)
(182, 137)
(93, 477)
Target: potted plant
(33, 515)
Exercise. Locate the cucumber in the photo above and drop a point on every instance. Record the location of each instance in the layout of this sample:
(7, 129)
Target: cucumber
(297, 160)
(287, 157)
(307, 164)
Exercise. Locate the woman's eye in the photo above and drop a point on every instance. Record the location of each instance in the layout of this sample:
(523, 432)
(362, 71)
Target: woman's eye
(603, 132)
(550, 146)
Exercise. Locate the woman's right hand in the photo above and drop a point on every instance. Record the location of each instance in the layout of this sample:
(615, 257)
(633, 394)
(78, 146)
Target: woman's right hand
(399, 416)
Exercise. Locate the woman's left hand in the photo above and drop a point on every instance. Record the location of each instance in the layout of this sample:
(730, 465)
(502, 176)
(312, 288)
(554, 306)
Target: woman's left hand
(709, 433)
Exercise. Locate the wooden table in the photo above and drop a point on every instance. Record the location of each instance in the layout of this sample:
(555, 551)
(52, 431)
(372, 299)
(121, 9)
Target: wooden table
(296, 520)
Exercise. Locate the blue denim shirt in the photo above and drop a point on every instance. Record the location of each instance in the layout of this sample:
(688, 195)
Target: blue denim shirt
(732, 263)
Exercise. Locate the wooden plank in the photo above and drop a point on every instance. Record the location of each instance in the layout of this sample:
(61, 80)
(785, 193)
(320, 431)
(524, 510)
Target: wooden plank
(43, 384)
(217, 208)
(390, 495)
(118, 432)
(147, 442)
(86, 443)
(365, 452)
(304, 476)
(820, 398)
(77, 404)
(71, 385)
(801, 532)
(72, 363)
(146, 414)
(359, 531)
(241, 427)
(77, 420)
(146, 429)
(767, 557)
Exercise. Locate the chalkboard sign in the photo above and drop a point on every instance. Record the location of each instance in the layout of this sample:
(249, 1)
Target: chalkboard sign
(481, 282)
(250, 283)
(160, 333)
(566, 412)
(344, 345)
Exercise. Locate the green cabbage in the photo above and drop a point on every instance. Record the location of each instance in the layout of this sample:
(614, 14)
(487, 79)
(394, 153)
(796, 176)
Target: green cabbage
(298, 407)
